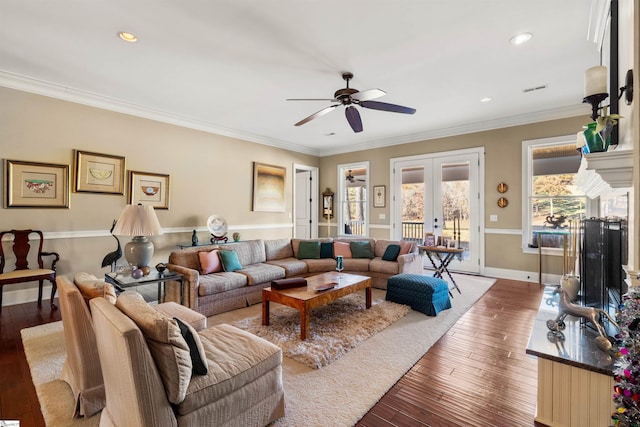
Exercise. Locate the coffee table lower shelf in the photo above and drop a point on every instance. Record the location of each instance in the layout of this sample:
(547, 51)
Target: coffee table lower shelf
(306, 298)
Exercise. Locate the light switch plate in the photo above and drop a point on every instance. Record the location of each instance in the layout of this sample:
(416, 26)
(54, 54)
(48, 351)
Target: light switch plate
(382, 216)
(493, 218)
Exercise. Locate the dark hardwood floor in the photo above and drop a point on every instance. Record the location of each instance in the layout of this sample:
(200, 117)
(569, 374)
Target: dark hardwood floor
(476, 375)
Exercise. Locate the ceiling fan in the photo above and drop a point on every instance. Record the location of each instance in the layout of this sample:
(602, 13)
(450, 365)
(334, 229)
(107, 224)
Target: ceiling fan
(350, 97)
(352, 178)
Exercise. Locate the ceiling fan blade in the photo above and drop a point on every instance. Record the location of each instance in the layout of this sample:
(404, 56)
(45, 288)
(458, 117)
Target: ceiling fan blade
(366, 95)
(317, 114)
(383, 106)
(353, 117)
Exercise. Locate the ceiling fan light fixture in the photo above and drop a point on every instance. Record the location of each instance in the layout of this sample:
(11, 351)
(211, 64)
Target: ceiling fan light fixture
(521, 38)
(128, 37)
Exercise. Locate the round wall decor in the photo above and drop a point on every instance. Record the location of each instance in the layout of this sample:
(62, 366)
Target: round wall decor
(503, 202)
(502, 187)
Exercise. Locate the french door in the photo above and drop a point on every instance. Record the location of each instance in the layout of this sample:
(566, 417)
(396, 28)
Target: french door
(439, 194)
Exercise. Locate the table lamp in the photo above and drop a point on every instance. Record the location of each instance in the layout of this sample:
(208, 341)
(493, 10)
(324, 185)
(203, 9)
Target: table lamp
(139, 221)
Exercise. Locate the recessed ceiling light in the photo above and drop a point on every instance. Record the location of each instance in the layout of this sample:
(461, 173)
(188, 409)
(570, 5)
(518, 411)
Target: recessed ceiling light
(520, 38)
(128, 37)
(486, 99)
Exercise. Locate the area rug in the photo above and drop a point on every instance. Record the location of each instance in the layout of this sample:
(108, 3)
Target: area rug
(334, 329)
(338, 394)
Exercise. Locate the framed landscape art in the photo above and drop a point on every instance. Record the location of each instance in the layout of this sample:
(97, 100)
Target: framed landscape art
(268, 187)
(149, 189)
(36, 185)
(98, 173)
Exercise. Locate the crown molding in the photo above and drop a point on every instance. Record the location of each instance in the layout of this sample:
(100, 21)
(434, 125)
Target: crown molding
(52, 90)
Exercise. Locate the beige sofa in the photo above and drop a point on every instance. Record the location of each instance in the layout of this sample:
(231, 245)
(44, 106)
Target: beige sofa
(151, 377)
(265, 260)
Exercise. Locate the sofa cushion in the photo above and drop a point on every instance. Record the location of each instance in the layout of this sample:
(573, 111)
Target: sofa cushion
(91, 287)
(391, 253)
(356, 264)
(249, 251)
(196, 350)
(262, 273)
(342, 249)
(292, 266)
(278, 249)
(378, 265)
(309, 250)
(235, 358)
(210, 261)
(361, 249)
(220, 282)
(326, 250)
(172, 309)
(295, 243)
(321, 265)
(230, 261)
(166, 344)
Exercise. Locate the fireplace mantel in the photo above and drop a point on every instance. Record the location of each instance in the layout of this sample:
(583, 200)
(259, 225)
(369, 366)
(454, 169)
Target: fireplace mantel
(615, 167)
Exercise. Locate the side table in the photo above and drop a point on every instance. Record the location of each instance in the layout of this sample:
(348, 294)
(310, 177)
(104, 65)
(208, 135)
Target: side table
(122, 280)
(440, 258)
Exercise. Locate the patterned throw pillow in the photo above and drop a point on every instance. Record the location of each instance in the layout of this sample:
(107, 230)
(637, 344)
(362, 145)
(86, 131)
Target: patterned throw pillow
(309, 250)
(361, 249)
(230, 261)
(391, 253)
(210, 261)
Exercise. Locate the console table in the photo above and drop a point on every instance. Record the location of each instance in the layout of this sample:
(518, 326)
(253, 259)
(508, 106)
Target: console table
(575, 378)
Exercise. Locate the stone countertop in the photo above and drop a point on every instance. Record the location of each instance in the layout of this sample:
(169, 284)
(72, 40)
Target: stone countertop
(574, 346)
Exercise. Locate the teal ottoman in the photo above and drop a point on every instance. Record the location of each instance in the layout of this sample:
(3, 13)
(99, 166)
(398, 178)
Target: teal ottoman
(426, 294)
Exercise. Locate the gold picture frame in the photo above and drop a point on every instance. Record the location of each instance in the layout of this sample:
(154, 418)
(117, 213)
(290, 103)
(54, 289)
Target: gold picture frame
(98, 173)
(36, 185)
(149, 188)
(268, 187)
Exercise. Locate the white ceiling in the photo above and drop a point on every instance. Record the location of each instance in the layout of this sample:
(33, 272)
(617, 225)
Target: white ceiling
(228, 66)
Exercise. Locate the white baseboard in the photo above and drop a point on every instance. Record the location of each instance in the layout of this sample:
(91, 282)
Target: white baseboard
(20, 296)
(525, 276)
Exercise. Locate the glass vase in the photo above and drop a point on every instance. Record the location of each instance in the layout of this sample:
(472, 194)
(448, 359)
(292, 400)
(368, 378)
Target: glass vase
(595, 143)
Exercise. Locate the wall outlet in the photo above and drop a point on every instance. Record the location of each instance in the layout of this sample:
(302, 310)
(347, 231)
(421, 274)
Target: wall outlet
(493, 218)
(382, 216)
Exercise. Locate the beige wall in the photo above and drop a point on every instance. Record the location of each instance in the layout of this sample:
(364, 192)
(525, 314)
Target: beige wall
(209, 174)
(503, 151)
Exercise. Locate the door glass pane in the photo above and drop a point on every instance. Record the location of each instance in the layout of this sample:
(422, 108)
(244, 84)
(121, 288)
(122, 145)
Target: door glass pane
(455, 193)
(412, 194)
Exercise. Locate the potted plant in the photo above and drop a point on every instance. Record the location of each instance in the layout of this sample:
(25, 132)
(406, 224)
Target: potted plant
(598, 134)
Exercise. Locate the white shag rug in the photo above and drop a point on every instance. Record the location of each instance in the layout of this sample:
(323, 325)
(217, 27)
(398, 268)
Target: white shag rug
(338, 394)
(334, 329)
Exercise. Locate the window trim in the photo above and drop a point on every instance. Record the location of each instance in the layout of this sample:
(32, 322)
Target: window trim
(341, 169)
(527, 170)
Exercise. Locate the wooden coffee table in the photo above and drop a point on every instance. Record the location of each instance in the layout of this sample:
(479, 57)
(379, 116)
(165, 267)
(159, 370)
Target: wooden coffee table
(305, 298)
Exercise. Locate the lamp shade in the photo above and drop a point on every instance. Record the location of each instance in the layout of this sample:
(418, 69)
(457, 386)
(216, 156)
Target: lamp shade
(139, 221)
(595, 80)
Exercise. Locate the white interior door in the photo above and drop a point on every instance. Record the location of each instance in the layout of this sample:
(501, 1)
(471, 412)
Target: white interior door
(303, 199)
(439, 194)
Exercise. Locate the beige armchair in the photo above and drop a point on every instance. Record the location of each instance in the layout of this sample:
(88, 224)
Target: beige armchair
(81, 369)
(149, 379)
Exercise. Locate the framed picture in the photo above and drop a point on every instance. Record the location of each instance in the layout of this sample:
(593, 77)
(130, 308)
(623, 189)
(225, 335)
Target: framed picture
(36, 185)
(429, 239)
(452, 244)
(98, 173)
(379, 196)
(149, 189)
(268, 187)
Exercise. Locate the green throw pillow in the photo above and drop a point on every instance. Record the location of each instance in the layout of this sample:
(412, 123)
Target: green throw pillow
(230, 261)
(326, 250)
(309, 250)
(361, 249)
(391, 253)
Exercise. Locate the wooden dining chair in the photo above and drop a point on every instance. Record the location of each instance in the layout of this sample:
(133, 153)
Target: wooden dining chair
(22, 273)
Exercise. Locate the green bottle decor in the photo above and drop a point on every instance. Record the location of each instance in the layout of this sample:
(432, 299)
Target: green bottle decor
(194, 239)
(595, 143)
